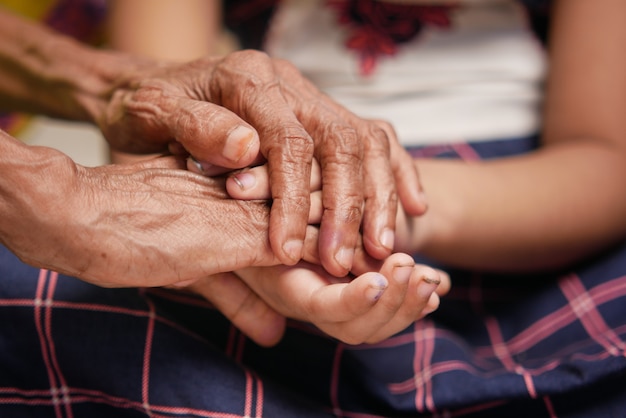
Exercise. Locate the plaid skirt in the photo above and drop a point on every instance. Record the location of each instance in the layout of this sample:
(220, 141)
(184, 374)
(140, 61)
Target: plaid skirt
(536, 345)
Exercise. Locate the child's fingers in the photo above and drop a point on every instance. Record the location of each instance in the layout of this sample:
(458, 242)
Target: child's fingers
(343, 302)
(397, 268)
(249, 184)
(254, 183)
(420, 300)
(243, 307)
(446, 283)
(317, 208)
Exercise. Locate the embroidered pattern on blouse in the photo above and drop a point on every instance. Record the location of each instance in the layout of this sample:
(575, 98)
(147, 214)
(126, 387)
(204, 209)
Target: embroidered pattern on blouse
(376, 28)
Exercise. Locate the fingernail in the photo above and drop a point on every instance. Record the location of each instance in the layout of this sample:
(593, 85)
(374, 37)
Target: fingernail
(402, 274)
(387, 238)
(244, 180)
(376, 289)
(427, 286)
(196, 166)
(238, 142)
(293, 249)
(344, 257)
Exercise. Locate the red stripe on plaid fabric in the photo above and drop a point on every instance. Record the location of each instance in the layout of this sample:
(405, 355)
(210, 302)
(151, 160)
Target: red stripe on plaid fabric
(100, 308)
(441, 368)
(560, 318)
(52, 282)
(424, 343)
(25, 303)
(429, 338)
(586, 310)
(248, 394)
(39, 326)
(549, 407)
(259, 397)
(147, 352)
(502, 352)
(79, 395)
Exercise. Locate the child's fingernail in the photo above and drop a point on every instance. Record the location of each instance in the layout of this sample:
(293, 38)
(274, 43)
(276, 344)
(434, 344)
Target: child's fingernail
(402, 274)
(244, 180)
(200, 167)
(427, 286)
(238, 143)
(377, 288)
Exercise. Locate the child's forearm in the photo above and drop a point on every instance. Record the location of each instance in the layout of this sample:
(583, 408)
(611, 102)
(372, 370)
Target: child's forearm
(543, 210)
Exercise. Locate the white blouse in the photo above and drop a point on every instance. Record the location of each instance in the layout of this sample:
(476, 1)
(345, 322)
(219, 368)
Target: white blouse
(478, 80)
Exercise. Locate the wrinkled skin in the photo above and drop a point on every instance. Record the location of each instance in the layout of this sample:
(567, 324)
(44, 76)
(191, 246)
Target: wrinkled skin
(272, 113)
(147, 224)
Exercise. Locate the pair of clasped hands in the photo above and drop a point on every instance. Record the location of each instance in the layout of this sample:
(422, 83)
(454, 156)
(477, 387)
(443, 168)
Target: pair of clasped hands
(252, 130)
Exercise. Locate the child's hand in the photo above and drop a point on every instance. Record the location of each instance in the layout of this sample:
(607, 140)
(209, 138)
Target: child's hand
(367, 309)
(253, 183)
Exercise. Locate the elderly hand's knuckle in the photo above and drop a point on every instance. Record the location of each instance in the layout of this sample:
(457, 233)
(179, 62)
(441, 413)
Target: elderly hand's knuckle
(294, 144)
(350, 214)
(192, 123)
(341, 143)
(246, 58)
(300, 202)
(378, 138)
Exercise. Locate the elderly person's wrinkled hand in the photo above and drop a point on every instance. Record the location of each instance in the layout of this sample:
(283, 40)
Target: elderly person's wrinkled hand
(246, 108)
(144, 224)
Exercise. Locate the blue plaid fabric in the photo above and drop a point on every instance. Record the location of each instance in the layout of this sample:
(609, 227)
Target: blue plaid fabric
(550, 345)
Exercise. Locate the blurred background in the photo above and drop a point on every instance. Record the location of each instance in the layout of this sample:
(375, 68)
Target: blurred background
(81, 141)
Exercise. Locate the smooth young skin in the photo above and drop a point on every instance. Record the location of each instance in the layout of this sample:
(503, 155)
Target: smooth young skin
(549, 208)
(366, 309)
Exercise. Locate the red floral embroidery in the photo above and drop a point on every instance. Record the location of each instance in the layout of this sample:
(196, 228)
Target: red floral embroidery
(378, 27)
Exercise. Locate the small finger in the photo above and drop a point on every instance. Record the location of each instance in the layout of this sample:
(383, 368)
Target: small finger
(398, 269)
(242, 307)
(210, 170)
(446, 283)
(346, 301)
(420, 300)
(254, 183)
(317, 209)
